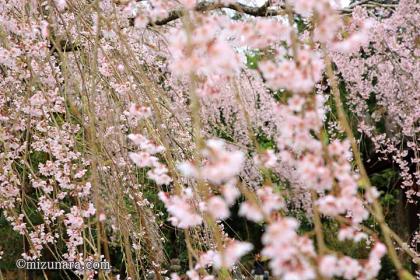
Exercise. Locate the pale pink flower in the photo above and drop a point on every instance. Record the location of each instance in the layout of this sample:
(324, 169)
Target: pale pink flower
(188, 169)
(230, 192)
(89, 212)
(270, 201)
(19, 225)
(296, 103)
(351, 233)
(288, 75)
(355, 209)
(175, 276)
(139, 140)
(286, 249)
(279, 234)
(371, 194)
(145, 144)
(189, 4)
(330, 205)
(159, 174)
(328, 266)
(373, 266)
(251, 212)
(61, 4)
(350, 268)
(266, 159)
(304, 7)
(73, 219)
(141, 21)
(232, 253)
(143, 159)
(206, 259)
(378, 251)
(102, 217)
(217, 208)
(356, 40)
(193, 275)
(120, 67)
(139, 111)
(44, 29)
(221, 165)
(182, 211)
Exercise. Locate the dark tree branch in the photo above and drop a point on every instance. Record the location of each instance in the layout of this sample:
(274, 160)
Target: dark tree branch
(262, 11)
(265, 10)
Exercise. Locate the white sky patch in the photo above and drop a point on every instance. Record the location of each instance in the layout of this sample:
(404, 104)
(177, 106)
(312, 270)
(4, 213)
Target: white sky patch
(343, 3)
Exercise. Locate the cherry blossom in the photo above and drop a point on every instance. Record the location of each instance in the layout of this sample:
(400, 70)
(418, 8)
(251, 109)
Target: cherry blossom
(221, 165)
(183, 212)
(232, 253)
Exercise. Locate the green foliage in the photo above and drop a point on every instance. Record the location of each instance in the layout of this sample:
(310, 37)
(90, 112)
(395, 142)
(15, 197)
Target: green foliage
(306, 225)
(347, 247)
(387, 271)
(37, 157)
(385, 181)
(264, 142)
(252, 59)
(301, 24)
(11, 244)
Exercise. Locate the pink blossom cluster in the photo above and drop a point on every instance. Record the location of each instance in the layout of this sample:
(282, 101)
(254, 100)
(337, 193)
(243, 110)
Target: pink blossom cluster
(199, 51)
(347, 268)
(296, 251)
(388, 74)
(304, 74)
(220, 165)
(145, 158)
(41, 164)
(227, 258)
(182, 209)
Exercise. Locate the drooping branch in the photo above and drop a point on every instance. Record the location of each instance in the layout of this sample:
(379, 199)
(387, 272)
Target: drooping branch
(262, 11)
(266, 10)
